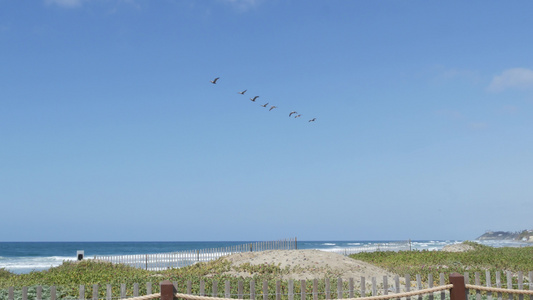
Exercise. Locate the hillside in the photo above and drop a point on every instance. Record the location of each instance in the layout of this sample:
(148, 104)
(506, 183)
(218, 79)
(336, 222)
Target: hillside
(525, 235)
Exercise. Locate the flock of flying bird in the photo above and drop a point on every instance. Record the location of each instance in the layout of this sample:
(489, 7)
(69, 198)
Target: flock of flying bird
(296, 115)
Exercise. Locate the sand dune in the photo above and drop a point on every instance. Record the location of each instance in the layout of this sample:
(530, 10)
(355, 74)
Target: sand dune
(310, 264)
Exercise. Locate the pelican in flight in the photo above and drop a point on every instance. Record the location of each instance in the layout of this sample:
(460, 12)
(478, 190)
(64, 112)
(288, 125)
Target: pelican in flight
(242, 93)
(297, 116)
(253, 99)
(272, 107)
(265, 105)
(292, 112)
(214, 81)
(312, 120)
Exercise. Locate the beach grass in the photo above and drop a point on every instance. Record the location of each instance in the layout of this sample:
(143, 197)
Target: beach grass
(481, 259)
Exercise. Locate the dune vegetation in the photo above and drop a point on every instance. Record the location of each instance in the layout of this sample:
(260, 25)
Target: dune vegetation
(70, 275)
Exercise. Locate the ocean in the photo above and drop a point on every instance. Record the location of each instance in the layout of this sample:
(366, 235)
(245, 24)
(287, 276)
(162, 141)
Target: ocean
(24, 257)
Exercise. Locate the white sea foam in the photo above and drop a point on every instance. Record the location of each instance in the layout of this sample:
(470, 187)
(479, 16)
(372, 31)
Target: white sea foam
(25, 264)
(329, 244)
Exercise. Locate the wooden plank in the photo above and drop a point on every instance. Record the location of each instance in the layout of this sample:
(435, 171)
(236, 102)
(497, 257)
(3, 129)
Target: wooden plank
(328, 289)
(24, 293)
(407, 285)
(291, 289)
(39, 293)
(122, 291)
(385, 285)
(82, 292)
(351, 288)
(278, 290)
(339, 288)
(374, 287)
(477, 282)
(240, 288)
(214, 290)
(202, 287)
(53, 293)
(252, 289)
(520, 284)
(430, 285)
(531, 284)
(189, 287)
(419, 285)
(265, 290)
(397, 287)
(488, 283)
(10, 293)
(441, 282)
(499, 283)
(315, 289)
(227, 290)
(95, 291)
(510, 283)
(148, 288)
(109, 292)
(135, 290)
(467, 278)
(302, 289)
(363, 287)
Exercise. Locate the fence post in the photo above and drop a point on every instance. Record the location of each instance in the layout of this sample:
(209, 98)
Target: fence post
(167, 290)
(458, 291)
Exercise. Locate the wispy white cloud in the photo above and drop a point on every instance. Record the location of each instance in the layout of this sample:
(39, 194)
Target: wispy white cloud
(64, 3)
(243, 5)
(520, 78)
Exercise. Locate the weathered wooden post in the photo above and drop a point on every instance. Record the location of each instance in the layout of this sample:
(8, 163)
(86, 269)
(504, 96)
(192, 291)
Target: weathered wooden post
(167, 290)
(458, 291)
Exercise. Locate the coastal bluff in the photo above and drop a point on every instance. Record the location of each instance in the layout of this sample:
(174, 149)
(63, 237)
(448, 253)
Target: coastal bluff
(525, 236)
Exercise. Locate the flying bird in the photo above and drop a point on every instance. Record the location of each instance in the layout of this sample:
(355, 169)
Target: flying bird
(292, 112)
(253, 99)
(265, 105)
(272, 107)
(297, 116)
(242, 93)
(312, 120)
(214, 81)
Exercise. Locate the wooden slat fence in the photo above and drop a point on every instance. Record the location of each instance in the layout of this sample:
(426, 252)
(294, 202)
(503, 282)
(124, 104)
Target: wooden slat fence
(162, 261)
(328, 288)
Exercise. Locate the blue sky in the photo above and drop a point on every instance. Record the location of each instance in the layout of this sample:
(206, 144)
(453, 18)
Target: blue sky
(111, 130)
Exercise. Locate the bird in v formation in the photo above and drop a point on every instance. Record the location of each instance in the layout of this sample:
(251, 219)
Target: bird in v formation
(214, 81)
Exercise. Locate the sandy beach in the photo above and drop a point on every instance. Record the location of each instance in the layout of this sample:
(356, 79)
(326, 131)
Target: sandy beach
(309, 264)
